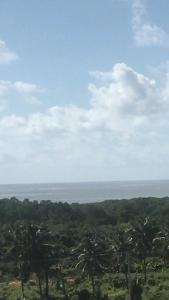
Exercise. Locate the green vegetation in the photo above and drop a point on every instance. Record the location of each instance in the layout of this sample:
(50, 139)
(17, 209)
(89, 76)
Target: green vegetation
(114, 250)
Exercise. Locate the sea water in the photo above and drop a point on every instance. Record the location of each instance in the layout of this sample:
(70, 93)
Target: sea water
(86, 191)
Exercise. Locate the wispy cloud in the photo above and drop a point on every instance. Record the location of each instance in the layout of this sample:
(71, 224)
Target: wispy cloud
(19, 90)
(145, 32)
(25, 87)
(6, 55)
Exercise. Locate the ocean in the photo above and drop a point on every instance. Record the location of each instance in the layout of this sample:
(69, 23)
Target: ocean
(86, 191)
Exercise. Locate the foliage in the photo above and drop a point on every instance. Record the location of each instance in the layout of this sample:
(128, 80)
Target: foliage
(57, 250)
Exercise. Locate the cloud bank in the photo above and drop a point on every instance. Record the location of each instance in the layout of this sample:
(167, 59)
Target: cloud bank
(126, 124)
(120, 102)
(123, 100)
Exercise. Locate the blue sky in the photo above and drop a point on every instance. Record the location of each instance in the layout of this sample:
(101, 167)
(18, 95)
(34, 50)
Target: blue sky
(84, 90)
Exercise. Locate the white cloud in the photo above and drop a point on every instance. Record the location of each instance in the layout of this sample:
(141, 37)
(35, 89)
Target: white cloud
(126, 101)
(6, 55)
(125, 126)
(145, 32)
(128, 94)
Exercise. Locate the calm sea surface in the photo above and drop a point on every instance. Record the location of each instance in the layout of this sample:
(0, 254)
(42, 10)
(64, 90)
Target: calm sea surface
(86, 192)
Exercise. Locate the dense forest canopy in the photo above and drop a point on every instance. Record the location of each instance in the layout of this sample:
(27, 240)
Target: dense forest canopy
(109, 212)
(108, 250)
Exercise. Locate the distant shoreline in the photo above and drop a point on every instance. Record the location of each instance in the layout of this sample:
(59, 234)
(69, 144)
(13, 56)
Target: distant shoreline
(85, 182)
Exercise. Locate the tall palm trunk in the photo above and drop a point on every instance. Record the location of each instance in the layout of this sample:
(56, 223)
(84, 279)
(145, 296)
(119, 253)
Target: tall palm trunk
(22, 288)
(126, 279)
(145, 270)
(93, 285)
(64, 288)
(22, 282)
(46, 284)
(129, 276)
(40, 287)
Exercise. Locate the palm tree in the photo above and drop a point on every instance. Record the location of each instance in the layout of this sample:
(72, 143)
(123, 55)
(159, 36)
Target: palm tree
(161, 245)
(21, 250)
(18, 251)
(122, 247)
(92, 258)
(61, 279)
(41, 255)
(143, 234)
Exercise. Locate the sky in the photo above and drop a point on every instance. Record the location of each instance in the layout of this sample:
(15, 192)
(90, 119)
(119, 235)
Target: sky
(84, 90)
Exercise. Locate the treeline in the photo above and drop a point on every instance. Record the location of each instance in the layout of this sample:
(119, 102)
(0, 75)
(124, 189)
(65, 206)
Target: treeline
(110, 212)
